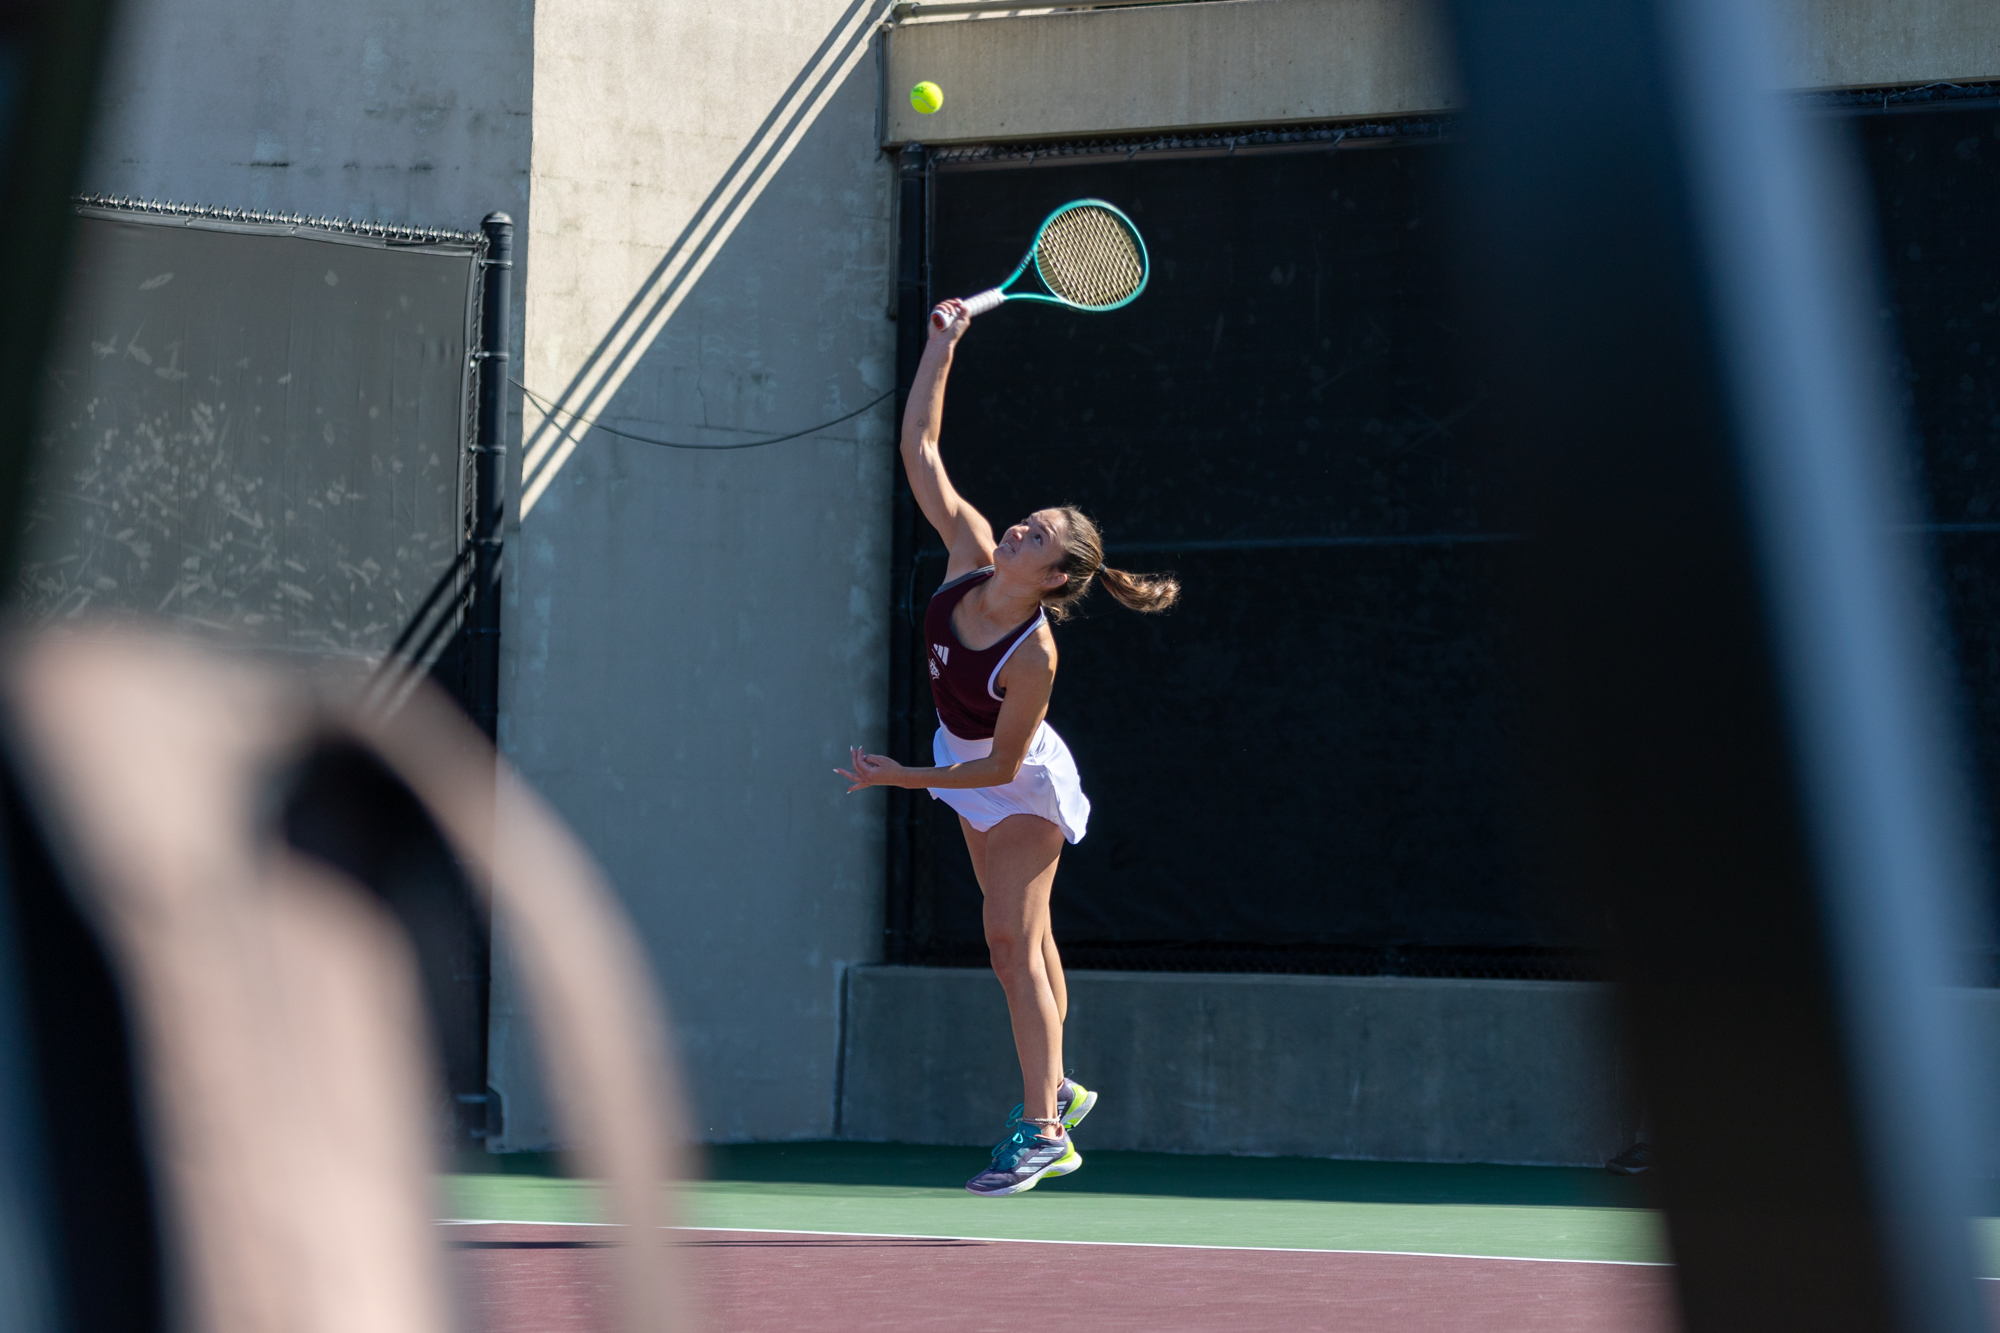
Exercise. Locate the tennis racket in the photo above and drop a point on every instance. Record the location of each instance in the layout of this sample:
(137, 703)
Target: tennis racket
(1088, 256)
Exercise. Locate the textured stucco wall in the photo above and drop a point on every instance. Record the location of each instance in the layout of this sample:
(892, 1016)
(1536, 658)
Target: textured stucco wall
(692, 640)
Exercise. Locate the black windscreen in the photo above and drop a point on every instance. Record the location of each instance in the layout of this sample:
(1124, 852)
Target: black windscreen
(252, 433)
(1937, 183)
(1312, 751)
(1314, 762)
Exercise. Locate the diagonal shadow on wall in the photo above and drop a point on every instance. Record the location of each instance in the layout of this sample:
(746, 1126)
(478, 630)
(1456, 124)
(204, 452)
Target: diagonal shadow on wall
(549, 444)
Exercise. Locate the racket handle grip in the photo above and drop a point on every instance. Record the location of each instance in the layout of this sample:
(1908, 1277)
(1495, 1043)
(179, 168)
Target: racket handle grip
(974, 305)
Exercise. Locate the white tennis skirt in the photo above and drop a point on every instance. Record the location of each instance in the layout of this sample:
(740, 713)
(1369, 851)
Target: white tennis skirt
(1047, 785)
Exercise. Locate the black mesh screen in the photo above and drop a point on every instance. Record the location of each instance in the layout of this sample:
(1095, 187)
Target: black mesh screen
(1314, 765)
(1936, 174)
(1304, 767)
(255, 431)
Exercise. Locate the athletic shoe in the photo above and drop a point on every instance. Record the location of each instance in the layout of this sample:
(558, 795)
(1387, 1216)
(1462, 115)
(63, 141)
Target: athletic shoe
(1061, 1168)
(1021, 1160)
(1073, 1103)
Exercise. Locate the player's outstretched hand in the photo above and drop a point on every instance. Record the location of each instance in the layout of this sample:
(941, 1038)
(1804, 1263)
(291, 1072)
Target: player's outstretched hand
(870, 770)
(949, 321)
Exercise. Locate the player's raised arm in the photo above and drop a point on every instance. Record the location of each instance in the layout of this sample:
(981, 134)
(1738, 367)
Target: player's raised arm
(965, 531)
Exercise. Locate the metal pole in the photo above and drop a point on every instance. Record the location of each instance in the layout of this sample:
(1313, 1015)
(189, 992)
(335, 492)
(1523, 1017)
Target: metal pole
(1752, 768)
(489, 478)
(912, 311)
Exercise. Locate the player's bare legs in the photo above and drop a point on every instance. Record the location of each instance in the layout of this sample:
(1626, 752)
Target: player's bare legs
(975, 842)
(1015, 861)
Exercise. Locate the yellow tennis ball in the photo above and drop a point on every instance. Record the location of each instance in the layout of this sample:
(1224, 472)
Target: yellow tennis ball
(927, 97)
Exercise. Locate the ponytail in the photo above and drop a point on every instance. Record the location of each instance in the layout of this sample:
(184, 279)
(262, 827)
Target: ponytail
(1083, 560)
(1140, 592)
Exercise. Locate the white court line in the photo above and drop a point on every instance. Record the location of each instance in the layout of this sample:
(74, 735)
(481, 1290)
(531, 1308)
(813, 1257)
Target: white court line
(1122, 1244)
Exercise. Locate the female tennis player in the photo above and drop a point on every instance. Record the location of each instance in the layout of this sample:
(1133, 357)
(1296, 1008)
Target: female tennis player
(999, 764)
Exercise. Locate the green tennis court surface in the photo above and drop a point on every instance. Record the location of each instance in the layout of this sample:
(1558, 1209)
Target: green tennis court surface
(1519, 1212)
(1130, 1198)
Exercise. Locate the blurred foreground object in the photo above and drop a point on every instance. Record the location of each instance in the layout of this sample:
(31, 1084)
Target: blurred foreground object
(1750, 744)
(275, 1003)
(50, 55)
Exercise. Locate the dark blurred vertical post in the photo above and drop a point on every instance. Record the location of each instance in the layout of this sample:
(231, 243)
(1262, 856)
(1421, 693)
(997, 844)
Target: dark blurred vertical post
(1750, 743)
(27, 1285)
(912, 314)
(50, 55)
(50, 51)
(489, 477)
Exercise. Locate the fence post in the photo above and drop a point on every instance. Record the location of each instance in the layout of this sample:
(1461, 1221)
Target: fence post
(489, 478)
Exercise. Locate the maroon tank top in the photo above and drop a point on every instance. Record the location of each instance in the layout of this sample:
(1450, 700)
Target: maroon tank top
(962, 681)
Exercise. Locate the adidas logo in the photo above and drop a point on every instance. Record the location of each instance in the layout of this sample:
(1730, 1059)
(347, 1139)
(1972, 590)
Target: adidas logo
(943, 653)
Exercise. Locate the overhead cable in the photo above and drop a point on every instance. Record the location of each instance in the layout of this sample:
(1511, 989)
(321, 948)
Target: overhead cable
(550, 409)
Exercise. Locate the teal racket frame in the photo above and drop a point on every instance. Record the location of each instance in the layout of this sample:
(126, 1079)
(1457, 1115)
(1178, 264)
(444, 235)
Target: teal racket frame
(994, 296)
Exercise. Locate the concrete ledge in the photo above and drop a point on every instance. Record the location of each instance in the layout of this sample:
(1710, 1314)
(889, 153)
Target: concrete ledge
(1269, 62)
(1395, 1068)
(1372, 1067)
(1127, 71)
(1882, 43)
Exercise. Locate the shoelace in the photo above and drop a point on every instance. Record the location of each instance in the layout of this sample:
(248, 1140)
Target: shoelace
(1018, 1142)
(1014, 1135)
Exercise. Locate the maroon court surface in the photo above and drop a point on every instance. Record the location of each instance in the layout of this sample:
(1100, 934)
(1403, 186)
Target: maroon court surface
(525, 1278)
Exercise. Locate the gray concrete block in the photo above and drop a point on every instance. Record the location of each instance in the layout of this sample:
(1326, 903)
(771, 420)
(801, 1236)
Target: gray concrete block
(1124, 71)
(1398, 1068)
(1161, 68)
(1374, 1067)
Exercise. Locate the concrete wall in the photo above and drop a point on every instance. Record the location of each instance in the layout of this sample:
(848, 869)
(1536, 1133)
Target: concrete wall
(1374, 1067)
(1121, 71)
(1880, 43)
(369, 108)
(1261, 62)
(692, 640)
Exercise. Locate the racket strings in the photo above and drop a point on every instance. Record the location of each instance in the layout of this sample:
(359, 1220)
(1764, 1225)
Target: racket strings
(1089, 258)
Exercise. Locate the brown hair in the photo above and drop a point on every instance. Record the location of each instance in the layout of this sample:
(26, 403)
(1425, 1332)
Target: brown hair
(1083, 561)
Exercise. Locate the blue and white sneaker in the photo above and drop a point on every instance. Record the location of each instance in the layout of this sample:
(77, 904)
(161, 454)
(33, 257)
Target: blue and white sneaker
(1022, 1159)
(1061, 1168)
(1073, 1103)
